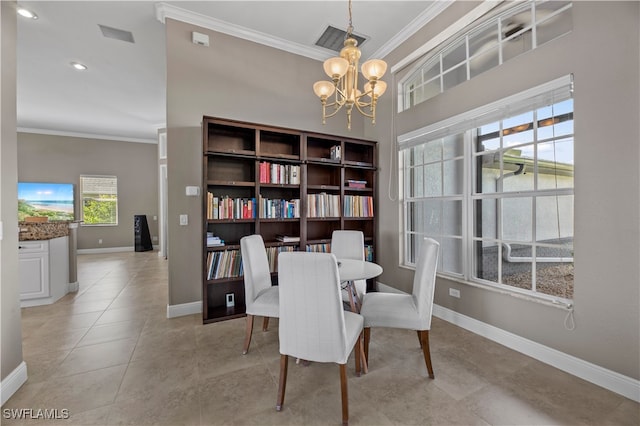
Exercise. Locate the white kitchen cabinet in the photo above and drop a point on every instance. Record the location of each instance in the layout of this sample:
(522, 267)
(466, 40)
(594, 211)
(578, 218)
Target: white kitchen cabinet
(43, 271)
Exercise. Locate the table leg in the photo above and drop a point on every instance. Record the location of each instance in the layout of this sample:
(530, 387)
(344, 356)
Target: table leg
(352, 303)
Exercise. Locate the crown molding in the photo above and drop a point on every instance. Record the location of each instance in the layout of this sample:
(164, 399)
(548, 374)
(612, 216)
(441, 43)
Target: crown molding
(164, 11)
(429, 14)
(84, 135)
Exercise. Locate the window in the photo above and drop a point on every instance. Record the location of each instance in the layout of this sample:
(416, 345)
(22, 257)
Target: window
(515, 31)
(99, 197)
(495, 187)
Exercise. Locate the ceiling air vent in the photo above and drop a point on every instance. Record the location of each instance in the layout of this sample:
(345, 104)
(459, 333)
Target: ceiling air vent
(116, 34)
(333, 38)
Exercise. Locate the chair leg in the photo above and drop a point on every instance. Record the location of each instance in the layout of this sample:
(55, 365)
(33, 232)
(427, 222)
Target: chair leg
(424, 340)
(352, 302)
(265, 323)
(365, 365)
(247, 337)
(345, 394)
(367, 337)
(359, 353)
(284, 364)
(419, 338)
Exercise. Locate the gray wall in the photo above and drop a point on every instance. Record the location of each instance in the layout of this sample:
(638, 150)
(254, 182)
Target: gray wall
(241, 80)
(11, 337)
(603, 54)
(46, 158)
(235, 79)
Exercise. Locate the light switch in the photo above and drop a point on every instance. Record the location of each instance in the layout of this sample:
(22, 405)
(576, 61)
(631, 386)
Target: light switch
(193, 191)
(184, 219)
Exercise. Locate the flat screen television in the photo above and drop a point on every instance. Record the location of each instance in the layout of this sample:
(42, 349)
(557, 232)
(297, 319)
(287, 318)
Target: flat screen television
(43, 199)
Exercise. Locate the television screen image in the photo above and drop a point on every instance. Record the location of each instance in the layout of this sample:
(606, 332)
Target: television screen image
(41, 199)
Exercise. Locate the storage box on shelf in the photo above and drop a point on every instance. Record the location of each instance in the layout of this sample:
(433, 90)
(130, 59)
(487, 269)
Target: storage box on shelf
(292, 187)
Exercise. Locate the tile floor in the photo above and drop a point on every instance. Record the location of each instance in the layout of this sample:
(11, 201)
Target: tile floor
(109, 356)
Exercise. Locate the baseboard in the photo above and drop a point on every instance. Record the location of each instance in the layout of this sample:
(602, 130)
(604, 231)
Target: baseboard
(12, 382)
(183, 309)
(615, 382)
(105, 250)
(74, 287)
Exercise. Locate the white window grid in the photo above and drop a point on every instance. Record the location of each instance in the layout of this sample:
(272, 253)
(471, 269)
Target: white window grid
(430, 79)
(469, 198)
(114, 180)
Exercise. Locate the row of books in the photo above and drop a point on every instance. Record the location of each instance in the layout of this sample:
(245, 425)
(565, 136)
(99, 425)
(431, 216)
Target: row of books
(278, 208)
(228, 263)
(358, 206)
(272, 255)
(323, 205)
(226, 207)
(224, 264)
(287, 174)
(326, 248)
(319, 248)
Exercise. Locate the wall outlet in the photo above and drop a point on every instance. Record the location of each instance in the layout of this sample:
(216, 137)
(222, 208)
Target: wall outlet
(100, 241)
(230, 297)
(154, 238)
(454, 292)
(184, 219)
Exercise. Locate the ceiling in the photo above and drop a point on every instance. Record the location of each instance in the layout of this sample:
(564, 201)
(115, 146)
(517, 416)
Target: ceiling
(122, 94)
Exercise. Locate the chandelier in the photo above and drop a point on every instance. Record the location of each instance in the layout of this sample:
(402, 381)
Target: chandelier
(343, 71)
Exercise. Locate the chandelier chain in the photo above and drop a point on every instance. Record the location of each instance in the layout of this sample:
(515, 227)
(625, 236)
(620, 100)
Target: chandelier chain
(350, 27)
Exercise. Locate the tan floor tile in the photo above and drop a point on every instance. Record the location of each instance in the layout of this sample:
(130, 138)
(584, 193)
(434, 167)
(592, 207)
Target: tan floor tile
(110, 356)
(41, 367)
(98, 356)
(82, 392)
(113, 331)
(162, 374)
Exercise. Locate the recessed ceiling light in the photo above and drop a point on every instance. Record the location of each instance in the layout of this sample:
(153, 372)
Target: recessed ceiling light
(27, 13)
(79, 66)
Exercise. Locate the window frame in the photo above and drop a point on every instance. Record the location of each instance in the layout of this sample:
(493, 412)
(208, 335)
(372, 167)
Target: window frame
(83, 196)
(550, 93)
(415, 82)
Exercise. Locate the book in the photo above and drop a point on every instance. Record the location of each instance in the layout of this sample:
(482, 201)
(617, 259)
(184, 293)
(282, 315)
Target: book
(213, 241)
(359, 184)
(287, 238)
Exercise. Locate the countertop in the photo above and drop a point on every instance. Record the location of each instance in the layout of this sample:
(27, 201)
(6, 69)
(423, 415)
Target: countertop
(36, 231)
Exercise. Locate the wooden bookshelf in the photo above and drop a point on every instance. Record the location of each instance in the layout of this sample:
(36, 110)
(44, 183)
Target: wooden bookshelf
(326, 168)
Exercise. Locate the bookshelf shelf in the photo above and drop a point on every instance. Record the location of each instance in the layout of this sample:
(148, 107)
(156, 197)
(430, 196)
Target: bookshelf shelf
(309, 176)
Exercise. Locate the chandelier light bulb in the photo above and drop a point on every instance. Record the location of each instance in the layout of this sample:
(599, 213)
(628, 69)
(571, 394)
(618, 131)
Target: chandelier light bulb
(335, 67)
(374, 69)
(323, 89)
(378, 91)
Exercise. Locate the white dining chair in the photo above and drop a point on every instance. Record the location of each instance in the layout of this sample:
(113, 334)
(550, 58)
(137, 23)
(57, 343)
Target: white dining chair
(261, 297)
(347, 244)
(407, 311)
(313, 326)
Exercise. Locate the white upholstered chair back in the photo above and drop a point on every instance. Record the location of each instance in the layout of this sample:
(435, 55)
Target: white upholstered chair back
(257, 276)
(312, 324)
(424, 280)
(347, 244)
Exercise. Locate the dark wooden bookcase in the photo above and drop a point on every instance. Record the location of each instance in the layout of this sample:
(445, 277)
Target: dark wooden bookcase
(233, 153)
